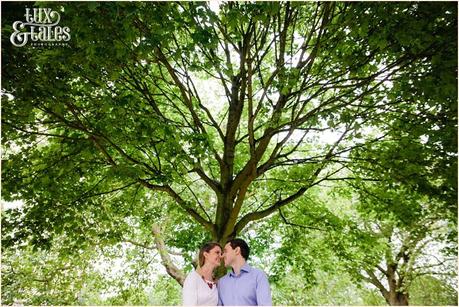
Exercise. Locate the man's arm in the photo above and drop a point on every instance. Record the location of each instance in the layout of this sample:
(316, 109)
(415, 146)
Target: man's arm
(220, 303)
(263, 291)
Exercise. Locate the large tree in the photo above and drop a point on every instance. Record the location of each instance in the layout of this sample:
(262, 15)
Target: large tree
(223, 111)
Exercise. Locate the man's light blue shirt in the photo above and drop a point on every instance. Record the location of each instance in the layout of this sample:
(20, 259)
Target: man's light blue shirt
(249, 288)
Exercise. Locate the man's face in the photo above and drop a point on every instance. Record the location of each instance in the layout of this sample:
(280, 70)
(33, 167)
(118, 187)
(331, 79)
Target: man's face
(228, 254)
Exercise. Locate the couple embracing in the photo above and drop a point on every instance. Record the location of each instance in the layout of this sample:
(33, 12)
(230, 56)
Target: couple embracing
(242, 286)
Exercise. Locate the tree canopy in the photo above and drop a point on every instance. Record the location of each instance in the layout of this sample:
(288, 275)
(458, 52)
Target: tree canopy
(180, 122)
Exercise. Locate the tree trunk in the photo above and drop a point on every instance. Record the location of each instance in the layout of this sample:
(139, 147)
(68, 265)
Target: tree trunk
(396, 296)
(398, 299)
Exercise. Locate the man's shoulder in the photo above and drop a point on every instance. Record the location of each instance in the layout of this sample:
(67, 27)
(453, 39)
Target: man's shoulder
(224, 277)
(258, 272)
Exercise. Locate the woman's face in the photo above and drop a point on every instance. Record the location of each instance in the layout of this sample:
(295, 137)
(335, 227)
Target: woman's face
(214, 256)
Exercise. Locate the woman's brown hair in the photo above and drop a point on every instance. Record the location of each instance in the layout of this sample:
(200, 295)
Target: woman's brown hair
(205, 249)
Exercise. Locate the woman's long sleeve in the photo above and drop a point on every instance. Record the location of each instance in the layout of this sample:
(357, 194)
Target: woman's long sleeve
(189, 292)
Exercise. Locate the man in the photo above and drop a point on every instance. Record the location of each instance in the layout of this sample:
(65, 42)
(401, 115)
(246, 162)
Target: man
(244, 285)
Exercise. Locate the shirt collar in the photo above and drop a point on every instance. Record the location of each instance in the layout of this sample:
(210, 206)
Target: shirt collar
(246, 268)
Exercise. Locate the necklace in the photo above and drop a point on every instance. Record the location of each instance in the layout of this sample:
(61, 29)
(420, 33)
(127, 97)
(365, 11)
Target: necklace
(209, 283)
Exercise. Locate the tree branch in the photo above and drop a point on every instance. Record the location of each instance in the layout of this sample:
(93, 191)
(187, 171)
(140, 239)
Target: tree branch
(166, 260)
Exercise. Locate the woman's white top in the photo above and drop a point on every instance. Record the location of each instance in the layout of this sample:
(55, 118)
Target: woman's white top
(196, 292)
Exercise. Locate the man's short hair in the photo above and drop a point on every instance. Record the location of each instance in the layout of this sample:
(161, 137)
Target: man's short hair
(245, 249)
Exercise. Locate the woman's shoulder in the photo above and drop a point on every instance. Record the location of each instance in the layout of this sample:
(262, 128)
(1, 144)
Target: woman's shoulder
(192, 276)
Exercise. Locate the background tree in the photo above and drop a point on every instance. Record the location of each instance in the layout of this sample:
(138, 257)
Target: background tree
(429, 290)
(394, 248)
(92, 134)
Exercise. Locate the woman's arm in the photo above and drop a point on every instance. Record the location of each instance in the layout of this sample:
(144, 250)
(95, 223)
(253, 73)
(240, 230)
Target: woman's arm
(189, 291)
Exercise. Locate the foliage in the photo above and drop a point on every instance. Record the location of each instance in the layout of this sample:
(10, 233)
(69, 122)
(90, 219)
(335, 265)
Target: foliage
(409, 240)
(166, 292)
(329, 289)
(43, 277)
(118, 275)
(168, 141)
(431, 291)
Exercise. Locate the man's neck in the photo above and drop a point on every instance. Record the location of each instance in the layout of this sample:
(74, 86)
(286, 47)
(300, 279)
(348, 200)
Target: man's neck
(239, 263)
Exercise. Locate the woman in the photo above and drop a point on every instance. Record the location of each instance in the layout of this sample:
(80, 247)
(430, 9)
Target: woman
(200, 287)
